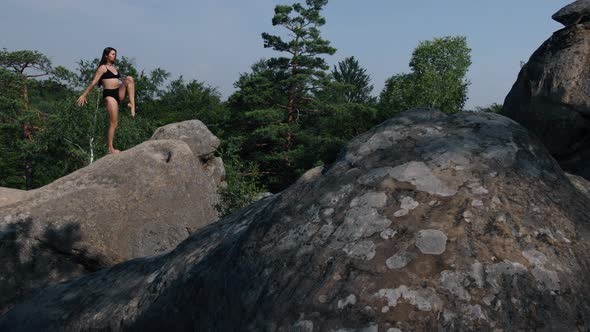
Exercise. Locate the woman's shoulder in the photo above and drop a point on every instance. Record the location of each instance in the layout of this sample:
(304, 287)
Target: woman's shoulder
(102, 68)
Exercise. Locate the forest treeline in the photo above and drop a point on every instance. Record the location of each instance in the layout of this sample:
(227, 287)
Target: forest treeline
(289, 113)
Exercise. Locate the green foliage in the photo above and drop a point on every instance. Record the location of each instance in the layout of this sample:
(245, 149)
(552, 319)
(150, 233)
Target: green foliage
(184, 101)
(242, 180)
(21, 61)
(437, 79)
(260, 89)
(397, 96)
(52, 150)
(11, 174)
(354, 82)
(265, 143)
(492, 108)
(348, 120)
(274, 109)
(19, 121)
(73, 137)
(11, 83)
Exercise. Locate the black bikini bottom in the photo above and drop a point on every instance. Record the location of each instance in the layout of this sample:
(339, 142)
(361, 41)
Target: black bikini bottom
(111, 93)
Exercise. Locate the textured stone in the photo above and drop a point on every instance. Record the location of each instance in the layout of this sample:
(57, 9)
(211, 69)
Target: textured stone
(364, 250)
(388, 234)
(400, 260)
(194, 133)
(548, 280)
(574, 13)
(285, 262)
(372, 199)
(420, 175)
(409, 203)
(9, 196)
(424, 299)
(400, 213)
(361, 222)
(453, 282)
(580, 183)
(350, 300)
(143, 201)
(497, 273)
(431, 241)
(534, 257)
(551, 95)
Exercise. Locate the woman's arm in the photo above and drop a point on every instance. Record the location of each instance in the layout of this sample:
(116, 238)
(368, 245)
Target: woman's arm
(99, 71)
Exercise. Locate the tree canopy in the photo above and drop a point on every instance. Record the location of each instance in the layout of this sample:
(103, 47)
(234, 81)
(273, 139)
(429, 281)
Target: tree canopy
(437, 79)
(354, 82)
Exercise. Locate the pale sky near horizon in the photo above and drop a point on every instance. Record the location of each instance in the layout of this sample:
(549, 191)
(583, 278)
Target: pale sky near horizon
(213, 41)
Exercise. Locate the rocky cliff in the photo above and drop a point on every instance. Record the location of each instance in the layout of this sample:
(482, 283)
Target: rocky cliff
(551, 96)
(425, 222)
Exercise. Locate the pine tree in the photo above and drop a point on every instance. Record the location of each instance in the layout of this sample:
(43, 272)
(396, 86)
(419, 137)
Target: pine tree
(304, 64)
(26, 64)
(355, 81)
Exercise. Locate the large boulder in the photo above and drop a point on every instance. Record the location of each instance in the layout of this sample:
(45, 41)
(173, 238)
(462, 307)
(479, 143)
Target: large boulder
(425, 222)
(551, 96)
(141, 202)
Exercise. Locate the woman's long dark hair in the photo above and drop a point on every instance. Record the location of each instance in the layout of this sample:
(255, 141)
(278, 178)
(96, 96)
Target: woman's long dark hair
(105, 54)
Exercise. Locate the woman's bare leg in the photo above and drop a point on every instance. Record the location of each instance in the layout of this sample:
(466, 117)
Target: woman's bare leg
(128, 88)
(113, 110)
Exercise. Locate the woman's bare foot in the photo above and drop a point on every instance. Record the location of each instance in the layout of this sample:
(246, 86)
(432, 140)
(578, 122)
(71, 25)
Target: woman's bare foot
(114, 151)
(132, 107)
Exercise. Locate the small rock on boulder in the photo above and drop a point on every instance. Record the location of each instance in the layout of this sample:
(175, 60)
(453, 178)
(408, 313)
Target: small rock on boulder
(575, 13)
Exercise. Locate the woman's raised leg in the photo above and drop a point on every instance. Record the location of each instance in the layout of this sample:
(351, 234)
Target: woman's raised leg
(128, 88)
(113, 110)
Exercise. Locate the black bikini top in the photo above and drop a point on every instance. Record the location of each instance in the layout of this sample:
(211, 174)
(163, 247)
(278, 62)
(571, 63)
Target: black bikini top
(109, 74)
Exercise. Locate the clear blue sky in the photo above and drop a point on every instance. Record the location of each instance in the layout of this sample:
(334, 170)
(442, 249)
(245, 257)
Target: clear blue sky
(215, 40)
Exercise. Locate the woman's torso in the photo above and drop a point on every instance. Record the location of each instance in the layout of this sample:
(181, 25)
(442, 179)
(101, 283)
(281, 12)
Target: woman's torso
(110, 78)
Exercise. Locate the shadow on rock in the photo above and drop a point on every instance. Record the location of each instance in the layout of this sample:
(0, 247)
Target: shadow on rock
(29, 262)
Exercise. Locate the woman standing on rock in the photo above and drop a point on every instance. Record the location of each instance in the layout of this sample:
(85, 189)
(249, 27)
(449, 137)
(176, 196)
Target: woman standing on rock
(114, 91)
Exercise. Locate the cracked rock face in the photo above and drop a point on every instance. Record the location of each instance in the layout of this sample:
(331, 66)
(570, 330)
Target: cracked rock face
(330, 253)
(551, 96)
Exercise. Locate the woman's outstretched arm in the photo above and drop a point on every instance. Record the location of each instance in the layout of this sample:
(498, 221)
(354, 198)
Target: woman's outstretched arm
(99, 71)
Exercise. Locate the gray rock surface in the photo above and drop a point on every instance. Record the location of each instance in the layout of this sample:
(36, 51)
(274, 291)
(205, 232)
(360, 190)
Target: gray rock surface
(201, 141)
(141, 202)
(579, 182)
(194, 133)
(574, 13)
(328, 254)
(551, 96)
(9, 196)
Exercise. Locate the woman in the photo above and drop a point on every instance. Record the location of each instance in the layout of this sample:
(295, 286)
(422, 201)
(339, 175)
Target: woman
(113, 91)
